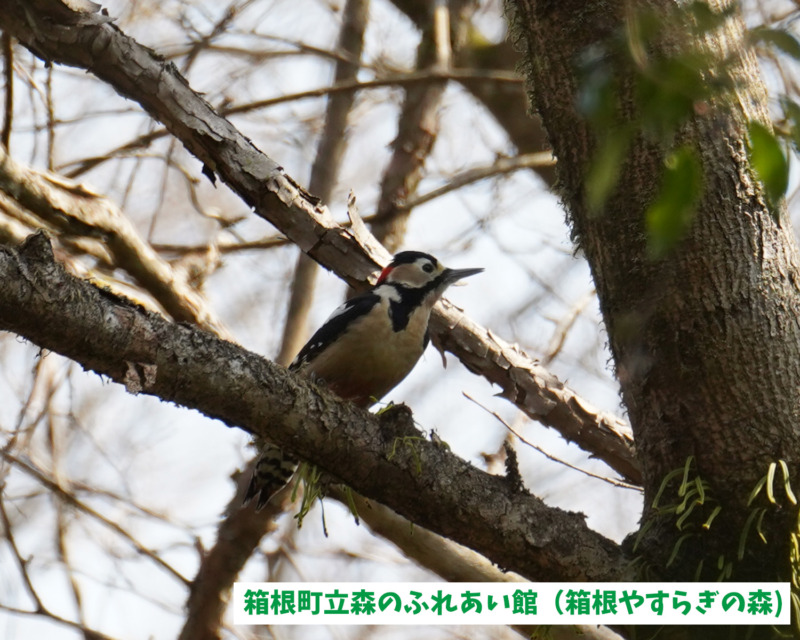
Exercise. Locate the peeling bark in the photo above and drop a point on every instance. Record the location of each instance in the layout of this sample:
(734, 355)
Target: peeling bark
(384, 458)
(138, 73)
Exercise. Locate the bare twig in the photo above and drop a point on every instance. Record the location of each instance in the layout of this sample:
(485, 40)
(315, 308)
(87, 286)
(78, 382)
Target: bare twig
(564, 325)
(56, 490)
(219, 28)
(73, 209)
(261, 183)
(549, 456)
(49, 117)
(8, 76)
(88, 633)
(413, 78)
(499, 167)
(22, 563)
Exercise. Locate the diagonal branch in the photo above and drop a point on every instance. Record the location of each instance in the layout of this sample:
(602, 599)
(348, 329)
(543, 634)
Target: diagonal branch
(139, 73)
(384, 458)
(241, 530)
(417, 128)
(325, 170)
(73, 209)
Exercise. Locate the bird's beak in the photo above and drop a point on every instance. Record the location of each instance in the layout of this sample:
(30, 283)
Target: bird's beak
(454, 275)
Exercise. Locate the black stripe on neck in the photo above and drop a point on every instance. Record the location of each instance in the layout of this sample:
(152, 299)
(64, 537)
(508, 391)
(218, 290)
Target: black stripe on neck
(410, 298)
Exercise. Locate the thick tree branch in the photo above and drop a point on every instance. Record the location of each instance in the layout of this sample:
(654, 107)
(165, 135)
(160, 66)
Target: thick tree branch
(74, 210)
(241, 530)
(385, 458)
(137, 72)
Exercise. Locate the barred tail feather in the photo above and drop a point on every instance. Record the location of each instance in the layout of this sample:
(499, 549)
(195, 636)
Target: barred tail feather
(273, 469)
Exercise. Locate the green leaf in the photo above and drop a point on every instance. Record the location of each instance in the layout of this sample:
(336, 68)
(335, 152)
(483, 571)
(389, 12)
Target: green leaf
(768, 161)
(664, 99)
(677, 547)
(787, 484)
(770, 486)
(714, 514)
(778, 38)
(668, 217)
(603, 173)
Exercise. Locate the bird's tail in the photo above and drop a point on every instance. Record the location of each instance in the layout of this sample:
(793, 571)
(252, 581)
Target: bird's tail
(273, 469)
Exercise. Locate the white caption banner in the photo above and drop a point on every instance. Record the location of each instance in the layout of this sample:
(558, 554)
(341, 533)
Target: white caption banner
(554, 603)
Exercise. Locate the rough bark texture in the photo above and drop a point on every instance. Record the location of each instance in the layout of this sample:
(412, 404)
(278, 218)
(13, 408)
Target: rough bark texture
(138, 73)
(386, 459)
(74, 210)
(706, 341)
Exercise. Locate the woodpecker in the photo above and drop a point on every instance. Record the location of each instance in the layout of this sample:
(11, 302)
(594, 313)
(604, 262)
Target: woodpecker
(365, 348)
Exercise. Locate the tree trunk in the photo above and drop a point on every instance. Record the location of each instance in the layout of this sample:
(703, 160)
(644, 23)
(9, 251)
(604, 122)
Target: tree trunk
(706, 340)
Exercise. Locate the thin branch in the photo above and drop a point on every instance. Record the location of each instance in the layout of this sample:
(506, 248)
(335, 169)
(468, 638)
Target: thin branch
(137, 72)
(221, 26)
(499, 167)
(413, 78)
(21, 562)
(54, 488)
(73, 209)
(563, 327)
(89, 634)
(8, 76)
(257, 55)
(49, 117)
(384, 458)
(549, 456)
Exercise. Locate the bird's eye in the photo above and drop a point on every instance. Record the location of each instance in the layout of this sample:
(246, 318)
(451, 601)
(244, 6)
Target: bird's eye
(427, 267)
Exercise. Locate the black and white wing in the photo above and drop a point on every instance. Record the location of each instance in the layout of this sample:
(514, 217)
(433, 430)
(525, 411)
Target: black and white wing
(334, 327)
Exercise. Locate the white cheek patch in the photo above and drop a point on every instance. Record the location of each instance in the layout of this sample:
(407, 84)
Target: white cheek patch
(388, 293)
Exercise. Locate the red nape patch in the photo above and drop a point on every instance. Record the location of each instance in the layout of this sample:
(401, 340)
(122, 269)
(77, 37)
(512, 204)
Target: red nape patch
(385, 274)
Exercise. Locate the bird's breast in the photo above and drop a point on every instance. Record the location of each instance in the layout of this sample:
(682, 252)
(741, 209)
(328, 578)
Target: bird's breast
(370, 359)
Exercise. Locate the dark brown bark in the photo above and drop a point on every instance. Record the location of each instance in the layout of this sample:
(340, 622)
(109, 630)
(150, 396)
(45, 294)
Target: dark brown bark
(137, 72)
(384, 458)
(706, 341)
(241, 530)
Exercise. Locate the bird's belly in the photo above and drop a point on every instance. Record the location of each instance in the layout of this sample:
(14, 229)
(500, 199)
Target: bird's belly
(366, 370)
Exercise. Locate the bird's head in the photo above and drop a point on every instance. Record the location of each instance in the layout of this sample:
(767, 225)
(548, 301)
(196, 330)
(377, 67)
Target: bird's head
(414, 270)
